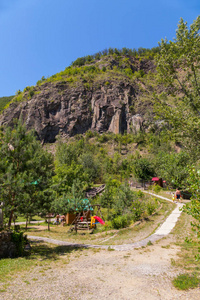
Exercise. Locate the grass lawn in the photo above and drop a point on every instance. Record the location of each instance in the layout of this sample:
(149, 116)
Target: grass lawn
(41, 258)
(189, 256)
(34, 218)
(105, 237)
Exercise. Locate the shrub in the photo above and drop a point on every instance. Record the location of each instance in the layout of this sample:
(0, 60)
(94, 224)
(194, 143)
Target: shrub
(151, 206)
(120, 222)
(19, 240)
(140, 194)
(107, 225)
(137, 209)
(31, 93)
(89, 134)
(103, 138)
(157, 188)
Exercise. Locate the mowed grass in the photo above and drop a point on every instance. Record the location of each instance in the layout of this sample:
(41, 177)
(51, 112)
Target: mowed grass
(34, 218)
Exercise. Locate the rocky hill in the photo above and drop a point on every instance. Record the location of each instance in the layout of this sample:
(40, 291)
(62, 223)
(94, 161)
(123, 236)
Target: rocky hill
(108, 93)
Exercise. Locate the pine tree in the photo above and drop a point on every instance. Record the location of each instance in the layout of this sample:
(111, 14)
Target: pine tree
(25, 172)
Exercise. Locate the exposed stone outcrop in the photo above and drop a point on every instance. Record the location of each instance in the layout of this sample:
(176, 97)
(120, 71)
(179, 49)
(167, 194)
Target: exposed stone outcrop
(7, 246)
(58, 108)
(73, 108)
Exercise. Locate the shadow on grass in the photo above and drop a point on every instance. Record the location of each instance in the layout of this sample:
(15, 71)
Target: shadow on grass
(48, 252)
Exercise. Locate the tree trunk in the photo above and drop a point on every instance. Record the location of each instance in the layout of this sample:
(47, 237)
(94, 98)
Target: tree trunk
(10, 219)
(49, 224)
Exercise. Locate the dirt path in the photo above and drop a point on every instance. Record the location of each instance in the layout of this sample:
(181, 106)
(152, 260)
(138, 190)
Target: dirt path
(137, 274)
(91, 273)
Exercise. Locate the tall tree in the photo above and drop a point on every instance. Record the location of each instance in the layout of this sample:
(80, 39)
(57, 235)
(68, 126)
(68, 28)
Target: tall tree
(25, 171)
(193, 208)
(178, 65)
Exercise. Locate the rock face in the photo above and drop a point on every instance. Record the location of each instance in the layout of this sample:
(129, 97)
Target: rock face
(7, 247)
(68, 109)
(58, 108)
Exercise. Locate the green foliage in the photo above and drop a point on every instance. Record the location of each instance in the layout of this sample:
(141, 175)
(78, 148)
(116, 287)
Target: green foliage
(149, 243)
(137, 209)
(19, 240)
(121, 222)
(143, 169)
(108, 196)
(73, 200)
(157, 188)
(31, 93)
(140, 194)
(5, 101)
(89, 134)
(193, 208)
(172, 167)
(22, 163)
(186, 281)
(90, 165)
(143, 52)
(178, 64)
(39, 82)
(151, 206)
(123, 199)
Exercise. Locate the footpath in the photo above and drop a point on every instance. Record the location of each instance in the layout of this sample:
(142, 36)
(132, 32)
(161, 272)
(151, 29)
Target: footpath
(164, 229)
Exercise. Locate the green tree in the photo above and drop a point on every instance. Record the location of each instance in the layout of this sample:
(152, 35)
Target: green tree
(90, 165)
(108, 196)
(178, 64)
(25, 172)
(143, 169)
(123, 199)
(193, 208)
(72, 200)
(172, 167)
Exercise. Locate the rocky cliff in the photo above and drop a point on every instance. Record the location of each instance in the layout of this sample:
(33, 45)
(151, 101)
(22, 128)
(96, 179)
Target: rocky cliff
(110, 101)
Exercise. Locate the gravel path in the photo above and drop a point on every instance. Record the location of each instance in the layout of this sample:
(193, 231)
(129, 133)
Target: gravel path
(96, 273)
(134, 272)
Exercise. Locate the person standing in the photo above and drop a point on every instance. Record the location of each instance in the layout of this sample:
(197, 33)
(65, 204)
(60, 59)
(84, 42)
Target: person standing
(57, 219)
(178, 195)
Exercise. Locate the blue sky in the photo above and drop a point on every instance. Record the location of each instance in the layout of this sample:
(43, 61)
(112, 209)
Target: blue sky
(42, 37)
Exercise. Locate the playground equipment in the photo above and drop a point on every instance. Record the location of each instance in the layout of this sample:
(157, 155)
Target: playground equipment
(84, 220)
(93, 221)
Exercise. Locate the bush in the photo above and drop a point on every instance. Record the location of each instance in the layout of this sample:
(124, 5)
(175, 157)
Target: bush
(89, 134)
(140, 194)
(151, 206)
(120, 222)
(31, 93)
(19, 240)
(157, 188)
(137, 210)
(107, 225)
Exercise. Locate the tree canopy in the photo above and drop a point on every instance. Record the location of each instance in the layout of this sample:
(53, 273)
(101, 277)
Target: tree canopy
(178, 67)
(25, 172)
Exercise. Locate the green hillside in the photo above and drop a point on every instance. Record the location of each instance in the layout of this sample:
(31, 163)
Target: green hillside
(4, 101)
(134, 66)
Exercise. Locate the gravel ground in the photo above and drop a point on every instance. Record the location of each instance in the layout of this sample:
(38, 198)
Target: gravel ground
(143, 273)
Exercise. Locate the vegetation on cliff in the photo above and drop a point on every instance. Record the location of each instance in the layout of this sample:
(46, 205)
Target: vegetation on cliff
(4, 101)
